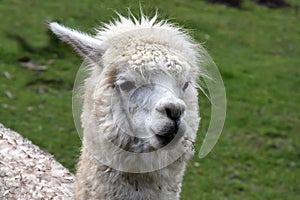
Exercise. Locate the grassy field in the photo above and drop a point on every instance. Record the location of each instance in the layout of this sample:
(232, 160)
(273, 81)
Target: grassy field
(256, 49)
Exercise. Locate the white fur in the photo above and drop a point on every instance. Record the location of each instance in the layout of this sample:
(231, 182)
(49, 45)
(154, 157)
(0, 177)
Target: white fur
(144, 51)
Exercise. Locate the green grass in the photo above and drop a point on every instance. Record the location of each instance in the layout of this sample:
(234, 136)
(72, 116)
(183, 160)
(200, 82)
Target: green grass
(256, 49)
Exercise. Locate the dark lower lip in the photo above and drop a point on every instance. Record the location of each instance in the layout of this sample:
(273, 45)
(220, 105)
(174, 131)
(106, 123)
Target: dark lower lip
(164, 140)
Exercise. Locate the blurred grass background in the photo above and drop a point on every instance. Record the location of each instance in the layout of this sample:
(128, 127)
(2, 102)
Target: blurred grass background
(257, 50)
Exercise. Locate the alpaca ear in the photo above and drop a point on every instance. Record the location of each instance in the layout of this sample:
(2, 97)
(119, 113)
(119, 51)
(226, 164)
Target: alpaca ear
(86, 45)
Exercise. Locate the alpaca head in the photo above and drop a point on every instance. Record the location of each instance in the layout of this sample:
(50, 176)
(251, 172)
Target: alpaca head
(140, 94)
(150, 101)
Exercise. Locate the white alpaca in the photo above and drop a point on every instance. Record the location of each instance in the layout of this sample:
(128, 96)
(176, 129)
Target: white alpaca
(140, 112)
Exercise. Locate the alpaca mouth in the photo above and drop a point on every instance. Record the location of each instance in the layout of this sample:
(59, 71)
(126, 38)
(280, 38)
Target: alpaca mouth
(166, 139)
(169, 133)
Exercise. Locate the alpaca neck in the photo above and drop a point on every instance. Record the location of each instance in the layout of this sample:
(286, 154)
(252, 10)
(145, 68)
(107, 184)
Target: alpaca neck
(97, 181)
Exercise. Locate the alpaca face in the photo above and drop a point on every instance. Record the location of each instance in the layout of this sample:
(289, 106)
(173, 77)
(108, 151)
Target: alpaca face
(154, 106)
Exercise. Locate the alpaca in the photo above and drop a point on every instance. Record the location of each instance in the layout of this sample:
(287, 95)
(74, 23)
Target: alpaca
(140, 110)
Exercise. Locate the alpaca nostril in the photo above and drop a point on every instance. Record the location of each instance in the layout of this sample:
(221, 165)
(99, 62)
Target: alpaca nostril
(172, 109)
(168, 112)
(174, 113)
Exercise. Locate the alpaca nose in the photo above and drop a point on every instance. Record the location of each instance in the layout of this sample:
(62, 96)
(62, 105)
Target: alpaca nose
(173, 110)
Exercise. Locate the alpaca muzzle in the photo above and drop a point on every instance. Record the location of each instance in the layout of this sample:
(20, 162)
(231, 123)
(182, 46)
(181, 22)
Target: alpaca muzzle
(169, 131)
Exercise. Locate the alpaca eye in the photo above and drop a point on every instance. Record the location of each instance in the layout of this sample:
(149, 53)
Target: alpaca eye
(127, 85)
(185, 86)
